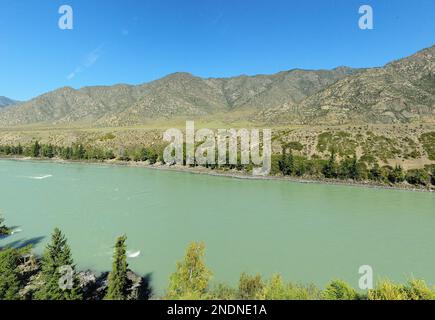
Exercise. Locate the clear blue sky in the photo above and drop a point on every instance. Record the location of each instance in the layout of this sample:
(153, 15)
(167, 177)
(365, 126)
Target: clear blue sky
(130, 41)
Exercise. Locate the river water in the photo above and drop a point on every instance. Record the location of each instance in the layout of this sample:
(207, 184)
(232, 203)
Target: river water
(309, 233)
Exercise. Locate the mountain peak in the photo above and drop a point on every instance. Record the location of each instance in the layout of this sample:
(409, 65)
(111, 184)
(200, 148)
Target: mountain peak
(400, 92)
(6, 102)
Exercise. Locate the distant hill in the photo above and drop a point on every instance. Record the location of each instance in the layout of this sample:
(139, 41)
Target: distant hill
(402, 91)
(6, 102)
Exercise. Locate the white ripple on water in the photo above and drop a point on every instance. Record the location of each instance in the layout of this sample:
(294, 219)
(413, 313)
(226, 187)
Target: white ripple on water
(38, 177)
(133, 254)
(16, 231)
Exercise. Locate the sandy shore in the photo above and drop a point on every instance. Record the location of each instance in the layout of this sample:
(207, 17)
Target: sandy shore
(230, 173)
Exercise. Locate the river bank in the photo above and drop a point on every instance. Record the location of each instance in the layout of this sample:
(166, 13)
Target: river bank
(231, 173)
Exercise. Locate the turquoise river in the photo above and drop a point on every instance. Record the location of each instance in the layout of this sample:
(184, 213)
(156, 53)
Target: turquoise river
(309, 233)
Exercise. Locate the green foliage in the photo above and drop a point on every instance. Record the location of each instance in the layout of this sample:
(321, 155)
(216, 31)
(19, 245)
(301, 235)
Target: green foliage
(340, 143)
(35, 149)
(294, 145)
(396, 175)
(3, 229)
(375, 173)
(286, 164)
(9, 274)
(413, 290)
(108, 136)
(191, 279)
(428, 141)
(387, 290)
(222, 292)
(276, 289)
(275, 167)
(418, 290)
(330, 169)
(418, 177)
(47, 151)
(339, 290)
(57, 254)
(380, 147)
(349, 168)
(118, 281)
(250, 287)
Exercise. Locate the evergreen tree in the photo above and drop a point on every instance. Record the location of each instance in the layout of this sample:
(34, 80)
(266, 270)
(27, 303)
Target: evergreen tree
(330, 169)
(375, 173)
(9, 275)
(286, 163)
(190, 280)
(35, 149)
(118, 282)
(57, 255)
(354, 170)
(3, 229)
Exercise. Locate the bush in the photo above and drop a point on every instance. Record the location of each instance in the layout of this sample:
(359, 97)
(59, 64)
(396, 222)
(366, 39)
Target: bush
(339, 290)
(375, 173)
(417, 177)
(222, 292)
(250, 287)
(418, 290)
(386, 290)
(396, 175)
(276, 289)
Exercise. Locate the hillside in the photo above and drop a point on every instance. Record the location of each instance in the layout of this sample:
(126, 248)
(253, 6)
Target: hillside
(400, 92)
(178, 94)
(6, 102)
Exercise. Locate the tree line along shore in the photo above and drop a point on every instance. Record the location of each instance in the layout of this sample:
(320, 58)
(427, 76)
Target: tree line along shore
(54, 276)
(287, 164)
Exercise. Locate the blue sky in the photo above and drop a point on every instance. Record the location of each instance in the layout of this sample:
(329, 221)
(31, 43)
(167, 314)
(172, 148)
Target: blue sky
(133, 42)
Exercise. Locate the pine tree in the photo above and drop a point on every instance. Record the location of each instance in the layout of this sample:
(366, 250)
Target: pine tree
(9, 275)
(286, 163)
(57, 255)
(3, 229)
(190, 280)
(35, 149)
(118, 282)
(330, 169)
(375, 173)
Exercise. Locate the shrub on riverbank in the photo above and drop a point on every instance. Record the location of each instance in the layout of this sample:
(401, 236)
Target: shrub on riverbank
(3, 229)
(285, 164)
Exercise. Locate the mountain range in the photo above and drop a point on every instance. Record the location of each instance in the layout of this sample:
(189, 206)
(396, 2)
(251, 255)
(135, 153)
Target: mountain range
(402, 91)
(6, 102)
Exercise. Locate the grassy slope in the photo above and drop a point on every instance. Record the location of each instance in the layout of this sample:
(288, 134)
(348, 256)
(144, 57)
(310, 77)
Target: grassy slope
(389, 144)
